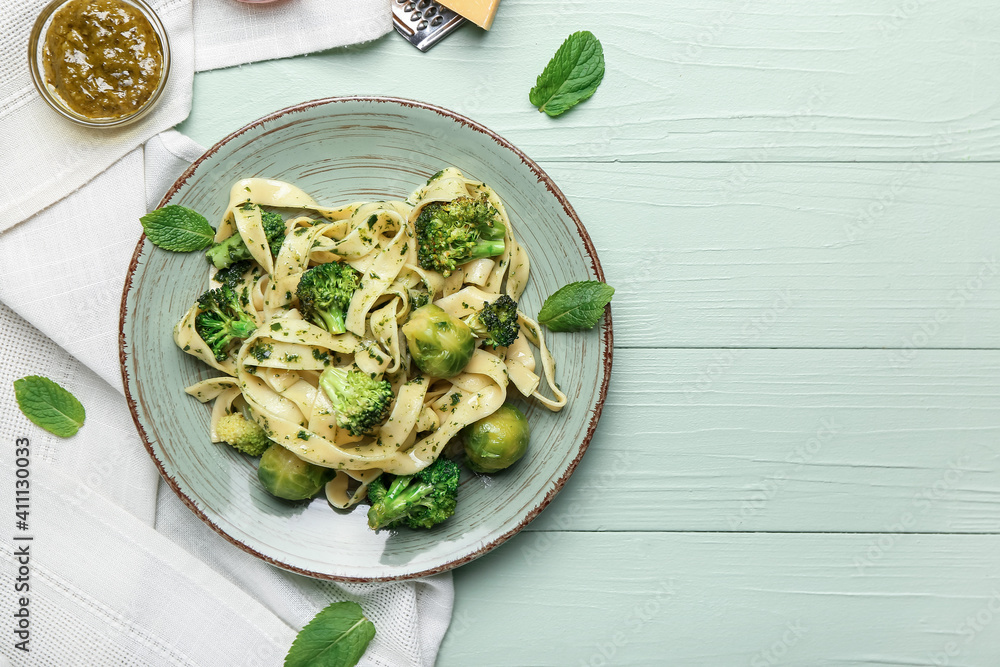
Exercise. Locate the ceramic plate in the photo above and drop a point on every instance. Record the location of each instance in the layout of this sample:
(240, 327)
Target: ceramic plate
(342, 150)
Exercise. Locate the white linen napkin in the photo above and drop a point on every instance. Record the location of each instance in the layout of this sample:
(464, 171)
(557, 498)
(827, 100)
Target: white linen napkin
(122, 574)
(46, 157)
(232, 33)
(179, 593)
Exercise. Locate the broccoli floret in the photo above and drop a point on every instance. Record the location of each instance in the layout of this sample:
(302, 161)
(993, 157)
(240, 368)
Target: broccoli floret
(325, 292)
(243, 434)
(361, 401)
(419, 297)
(420, 500)
(496, 322)
(222, 321)
(232, 250)
(235, 277)
(455, 232)
(233, 274)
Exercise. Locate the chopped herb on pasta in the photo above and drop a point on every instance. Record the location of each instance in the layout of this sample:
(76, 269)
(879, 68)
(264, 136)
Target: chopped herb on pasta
(348, 325)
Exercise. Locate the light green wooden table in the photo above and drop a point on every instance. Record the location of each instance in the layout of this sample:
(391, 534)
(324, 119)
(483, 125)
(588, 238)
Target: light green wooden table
(798, 204)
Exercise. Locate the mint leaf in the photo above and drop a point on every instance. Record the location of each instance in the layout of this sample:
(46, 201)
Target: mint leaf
(576, 307)
(571, 76)
(48, 405)
(336, 637)
(177, 228)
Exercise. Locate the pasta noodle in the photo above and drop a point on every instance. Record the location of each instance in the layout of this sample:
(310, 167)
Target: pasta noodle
(273, 375)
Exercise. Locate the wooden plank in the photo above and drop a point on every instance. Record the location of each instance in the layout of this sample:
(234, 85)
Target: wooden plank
(709, 599)
(795, 255)
(715, 80)
(792, 440)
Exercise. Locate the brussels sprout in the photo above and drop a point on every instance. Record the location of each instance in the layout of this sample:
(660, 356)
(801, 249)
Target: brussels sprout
(497, 441)
(287, 476)
(440, 344)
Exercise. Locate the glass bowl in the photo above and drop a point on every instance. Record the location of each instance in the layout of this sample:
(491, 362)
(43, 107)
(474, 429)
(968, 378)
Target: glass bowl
(35, 63)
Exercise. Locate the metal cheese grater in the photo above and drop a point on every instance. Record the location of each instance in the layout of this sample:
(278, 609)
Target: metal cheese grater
(423, 23)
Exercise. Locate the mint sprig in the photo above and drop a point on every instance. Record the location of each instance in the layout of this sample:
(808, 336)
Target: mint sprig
(177, 228)
(49, 406)
(571, 76)
(577, 306)
(336, 637)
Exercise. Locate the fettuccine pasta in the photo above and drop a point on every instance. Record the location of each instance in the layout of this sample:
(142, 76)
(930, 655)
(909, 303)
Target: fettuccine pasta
(272, 376)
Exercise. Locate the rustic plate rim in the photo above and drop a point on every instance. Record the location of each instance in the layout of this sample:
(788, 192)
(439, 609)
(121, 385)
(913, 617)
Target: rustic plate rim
(607, 337)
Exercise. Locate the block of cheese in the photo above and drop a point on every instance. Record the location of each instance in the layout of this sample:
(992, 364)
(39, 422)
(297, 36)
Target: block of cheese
(480, 12)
